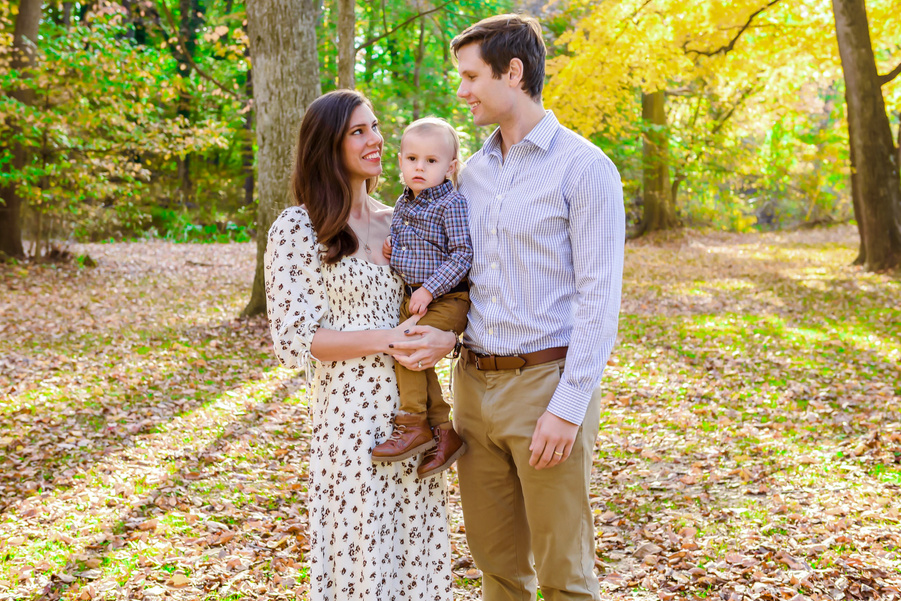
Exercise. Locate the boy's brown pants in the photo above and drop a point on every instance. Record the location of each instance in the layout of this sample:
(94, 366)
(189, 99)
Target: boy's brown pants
(420, 391)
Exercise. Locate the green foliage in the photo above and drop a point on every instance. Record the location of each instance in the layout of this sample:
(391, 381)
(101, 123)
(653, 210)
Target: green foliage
(105, 132)
(404, 80)
(137, 131)
(178, 227)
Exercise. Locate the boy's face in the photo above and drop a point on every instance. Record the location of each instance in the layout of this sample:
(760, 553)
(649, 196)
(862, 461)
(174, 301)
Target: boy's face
(426, 159)
(488, 98)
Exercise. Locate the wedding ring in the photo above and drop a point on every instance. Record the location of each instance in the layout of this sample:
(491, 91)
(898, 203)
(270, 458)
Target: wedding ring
(558, 453)
(419, 364)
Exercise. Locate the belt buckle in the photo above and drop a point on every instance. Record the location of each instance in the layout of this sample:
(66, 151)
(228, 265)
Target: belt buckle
(486, 359)
(478, 358)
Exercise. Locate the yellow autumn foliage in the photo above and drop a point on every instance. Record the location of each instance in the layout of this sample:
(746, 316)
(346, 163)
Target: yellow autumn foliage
(758, 118)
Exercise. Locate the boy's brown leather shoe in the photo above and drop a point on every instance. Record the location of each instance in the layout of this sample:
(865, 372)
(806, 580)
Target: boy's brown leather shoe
(411, 435)
(449, 448)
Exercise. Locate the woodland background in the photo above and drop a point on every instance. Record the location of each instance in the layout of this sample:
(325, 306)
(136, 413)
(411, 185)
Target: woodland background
(137, 119)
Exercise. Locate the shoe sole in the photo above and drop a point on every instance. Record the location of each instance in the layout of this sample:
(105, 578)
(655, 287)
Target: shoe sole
(406, 454)
(446, 464)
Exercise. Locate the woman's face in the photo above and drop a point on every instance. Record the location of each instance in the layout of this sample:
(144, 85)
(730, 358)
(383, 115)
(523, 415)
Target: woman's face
(362, 146)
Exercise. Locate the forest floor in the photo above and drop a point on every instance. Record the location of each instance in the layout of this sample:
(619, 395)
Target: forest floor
(749, 448)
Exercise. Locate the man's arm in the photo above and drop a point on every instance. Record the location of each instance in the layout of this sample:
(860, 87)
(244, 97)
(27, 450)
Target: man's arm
(597, 235)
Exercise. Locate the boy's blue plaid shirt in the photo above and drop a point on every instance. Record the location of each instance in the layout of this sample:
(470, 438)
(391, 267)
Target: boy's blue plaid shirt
(430, 244)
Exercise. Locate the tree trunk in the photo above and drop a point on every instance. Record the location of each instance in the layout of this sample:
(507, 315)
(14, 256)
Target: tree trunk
(855, 201)
(898, 147)
(346, 47)
(188, 24)
(417, 69)
(871, 138)
(247, 144)
(369, 62)
(25, 37)
(677, 181)
(285, 81)
(659, 211)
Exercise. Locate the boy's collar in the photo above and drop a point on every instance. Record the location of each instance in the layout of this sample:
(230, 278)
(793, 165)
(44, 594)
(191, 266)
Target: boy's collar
(429, 193)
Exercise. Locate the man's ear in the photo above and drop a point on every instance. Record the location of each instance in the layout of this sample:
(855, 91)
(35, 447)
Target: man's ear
(514, 72)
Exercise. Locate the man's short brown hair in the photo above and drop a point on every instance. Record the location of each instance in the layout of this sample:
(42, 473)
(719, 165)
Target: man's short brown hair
(504, 37)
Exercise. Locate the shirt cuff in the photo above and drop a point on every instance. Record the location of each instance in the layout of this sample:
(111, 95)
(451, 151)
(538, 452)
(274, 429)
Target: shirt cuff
(569, 403)
(435, 286)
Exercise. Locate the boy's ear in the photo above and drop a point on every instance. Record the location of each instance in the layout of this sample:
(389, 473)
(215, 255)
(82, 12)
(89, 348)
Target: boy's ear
(451, 168)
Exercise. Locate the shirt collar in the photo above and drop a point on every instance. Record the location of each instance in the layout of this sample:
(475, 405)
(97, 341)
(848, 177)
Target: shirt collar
(541, 135)
(429, 193)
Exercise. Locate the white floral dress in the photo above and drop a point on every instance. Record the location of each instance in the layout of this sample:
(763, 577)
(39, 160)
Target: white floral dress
(377, 532)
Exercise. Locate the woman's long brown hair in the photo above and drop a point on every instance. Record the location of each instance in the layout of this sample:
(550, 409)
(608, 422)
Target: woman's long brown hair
(321, 183)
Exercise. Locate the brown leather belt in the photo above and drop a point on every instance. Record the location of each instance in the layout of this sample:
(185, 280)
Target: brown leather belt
(497, 362)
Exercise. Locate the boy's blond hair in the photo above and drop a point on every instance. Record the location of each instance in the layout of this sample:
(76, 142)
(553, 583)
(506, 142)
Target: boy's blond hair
(437, 123)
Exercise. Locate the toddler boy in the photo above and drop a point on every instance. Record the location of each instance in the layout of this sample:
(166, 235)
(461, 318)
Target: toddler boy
(431, 249)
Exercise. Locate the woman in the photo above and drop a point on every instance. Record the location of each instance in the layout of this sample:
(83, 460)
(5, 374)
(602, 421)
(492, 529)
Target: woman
(331, 295)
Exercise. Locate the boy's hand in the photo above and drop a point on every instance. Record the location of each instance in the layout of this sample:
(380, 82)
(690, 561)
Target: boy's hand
(419, 301)
(386, 248)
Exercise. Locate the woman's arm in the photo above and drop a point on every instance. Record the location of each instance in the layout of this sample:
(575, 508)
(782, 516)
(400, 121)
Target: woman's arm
(334, 345)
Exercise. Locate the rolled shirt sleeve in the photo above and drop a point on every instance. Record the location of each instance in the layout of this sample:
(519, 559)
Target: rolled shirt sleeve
(295, 293)
(597, 234)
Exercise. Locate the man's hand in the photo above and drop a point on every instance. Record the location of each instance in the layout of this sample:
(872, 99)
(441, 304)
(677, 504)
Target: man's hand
(419, 301)
(386, 248)
(552, 441)
(398, 332)
(423, 348)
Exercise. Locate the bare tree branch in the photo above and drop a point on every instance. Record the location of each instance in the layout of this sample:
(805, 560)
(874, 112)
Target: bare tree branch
(884, 79)
(184, 51)
(372, 41)
(722, 121)
(728, 47)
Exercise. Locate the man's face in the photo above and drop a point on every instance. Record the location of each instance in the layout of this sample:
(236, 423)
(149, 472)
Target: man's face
(488, 98)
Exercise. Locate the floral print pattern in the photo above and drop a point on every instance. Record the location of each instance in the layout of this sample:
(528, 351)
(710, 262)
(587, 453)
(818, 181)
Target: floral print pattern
(377, 531)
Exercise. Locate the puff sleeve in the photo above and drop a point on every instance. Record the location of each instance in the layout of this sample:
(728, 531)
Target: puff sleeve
(296, 300)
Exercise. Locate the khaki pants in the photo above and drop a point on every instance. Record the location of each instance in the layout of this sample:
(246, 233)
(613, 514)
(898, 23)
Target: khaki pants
(516, 515)
(420, 391)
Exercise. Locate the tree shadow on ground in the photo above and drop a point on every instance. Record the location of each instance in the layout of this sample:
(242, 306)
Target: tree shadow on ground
(188, 522)
(79, 416)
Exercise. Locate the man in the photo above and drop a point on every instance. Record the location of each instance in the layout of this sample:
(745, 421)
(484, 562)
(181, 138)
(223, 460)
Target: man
(548, 228)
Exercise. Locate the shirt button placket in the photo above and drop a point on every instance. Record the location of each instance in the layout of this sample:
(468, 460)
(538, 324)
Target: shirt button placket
(494, 250)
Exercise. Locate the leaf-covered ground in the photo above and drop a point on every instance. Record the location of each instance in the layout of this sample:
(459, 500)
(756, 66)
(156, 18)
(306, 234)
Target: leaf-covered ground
(750, 444)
